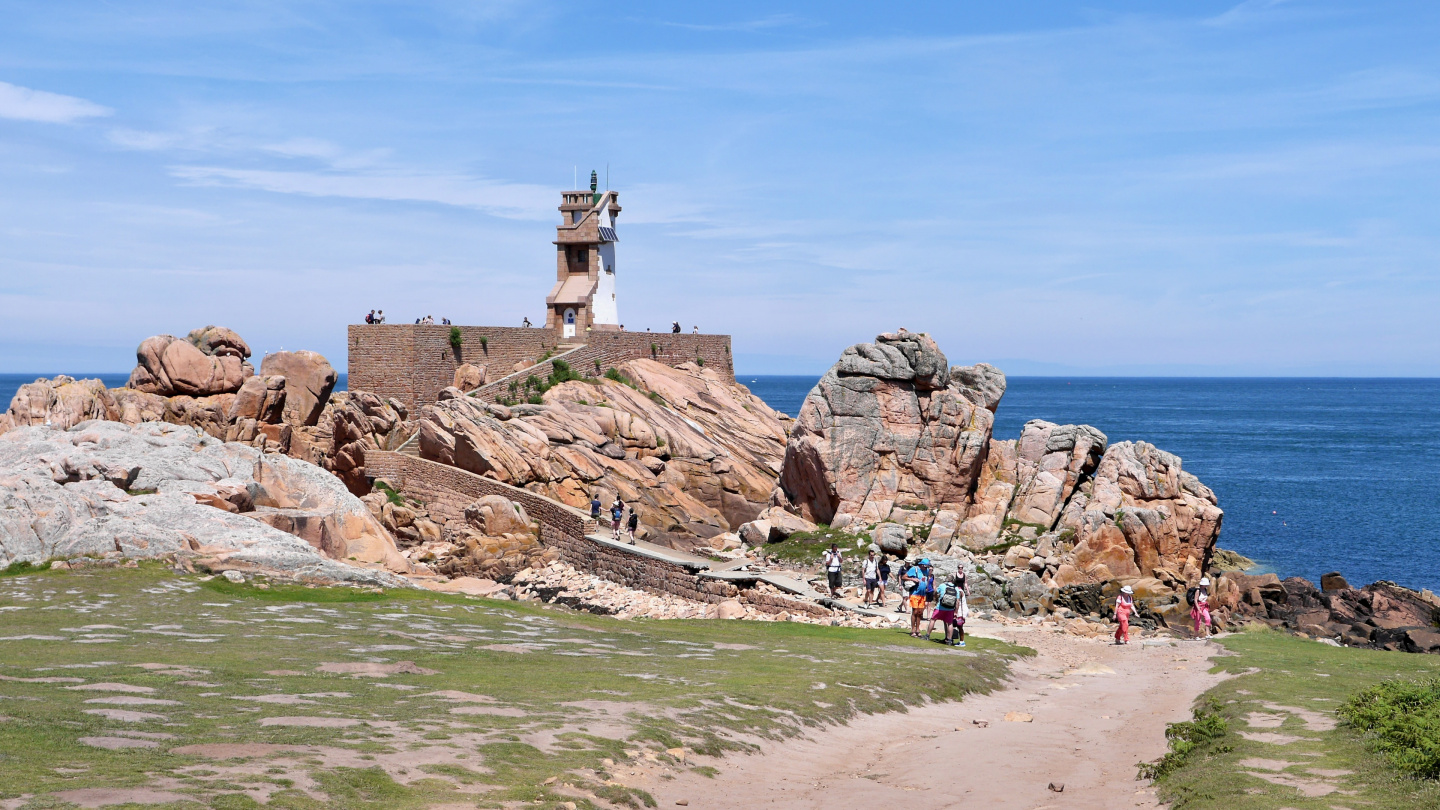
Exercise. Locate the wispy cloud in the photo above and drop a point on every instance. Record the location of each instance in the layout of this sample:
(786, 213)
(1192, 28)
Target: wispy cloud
(761, 24)
(509, 200)
(24, 104)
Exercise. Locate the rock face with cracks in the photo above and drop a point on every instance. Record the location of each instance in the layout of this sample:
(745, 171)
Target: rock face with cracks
(694, 452)
(150, 490)
(894, 442)
(309, 379)
(209, 361)
(888, 428)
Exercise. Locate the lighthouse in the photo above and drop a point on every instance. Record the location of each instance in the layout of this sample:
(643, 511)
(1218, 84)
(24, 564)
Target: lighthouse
(584, 293)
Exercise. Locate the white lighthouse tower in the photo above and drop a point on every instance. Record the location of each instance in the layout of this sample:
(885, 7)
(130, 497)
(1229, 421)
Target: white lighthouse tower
(584, 293)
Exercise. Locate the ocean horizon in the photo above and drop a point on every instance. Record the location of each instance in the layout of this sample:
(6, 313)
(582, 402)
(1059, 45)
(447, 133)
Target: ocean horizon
(1314, 474)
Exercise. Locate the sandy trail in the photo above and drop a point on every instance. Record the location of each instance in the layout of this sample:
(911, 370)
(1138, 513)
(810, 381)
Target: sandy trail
(1098, 709)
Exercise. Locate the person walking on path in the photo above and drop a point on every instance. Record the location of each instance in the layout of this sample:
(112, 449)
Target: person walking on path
(1200, 606)
(950, 610)
(1124, 606)
(633, 524)
(617, 511)
(595, 507)
(831, 561)
(870, 572)
(921, 584)
(884, 575)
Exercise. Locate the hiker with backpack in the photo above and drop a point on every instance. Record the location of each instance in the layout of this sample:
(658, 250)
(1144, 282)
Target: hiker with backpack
(951, 610)
(617, 511)
(633, 524)
(1199, 598)
(1124, 606)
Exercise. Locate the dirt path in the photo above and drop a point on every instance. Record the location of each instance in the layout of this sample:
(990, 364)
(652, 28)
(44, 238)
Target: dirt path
(1097, 710)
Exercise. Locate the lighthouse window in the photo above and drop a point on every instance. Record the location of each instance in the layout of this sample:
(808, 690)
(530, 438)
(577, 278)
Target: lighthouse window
(610, 269)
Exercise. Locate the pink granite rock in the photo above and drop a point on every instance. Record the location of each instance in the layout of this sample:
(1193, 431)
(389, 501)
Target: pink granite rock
(309, 379)
(885, 428)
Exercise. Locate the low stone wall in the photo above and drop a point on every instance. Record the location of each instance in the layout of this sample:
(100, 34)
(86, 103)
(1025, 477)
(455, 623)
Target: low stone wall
(446, 491)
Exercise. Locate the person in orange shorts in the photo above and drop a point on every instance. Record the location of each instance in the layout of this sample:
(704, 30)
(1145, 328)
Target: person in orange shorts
(919, 583)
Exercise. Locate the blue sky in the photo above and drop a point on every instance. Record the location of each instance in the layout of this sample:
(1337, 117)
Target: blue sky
(1144, 188)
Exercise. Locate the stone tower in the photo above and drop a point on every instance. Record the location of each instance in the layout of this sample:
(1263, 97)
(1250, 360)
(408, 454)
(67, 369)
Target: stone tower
(584, 293)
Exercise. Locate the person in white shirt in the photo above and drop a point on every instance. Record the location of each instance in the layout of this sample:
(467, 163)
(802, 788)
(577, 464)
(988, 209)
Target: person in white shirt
(870, 571)
(831, 560)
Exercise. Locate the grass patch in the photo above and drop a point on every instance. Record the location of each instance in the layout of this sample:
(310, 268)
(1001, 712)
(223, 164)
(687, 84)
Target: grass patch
(23, 567)
(1291, 688)
(395, 498)
(228, 656)
(1401, 720)
(1190, 738)
(806, 547)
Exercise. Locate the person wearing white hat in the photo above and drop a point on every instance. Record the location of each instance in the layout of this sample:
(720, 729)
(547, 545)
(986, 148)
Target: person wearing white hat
(1124, 606)
(1200, 606)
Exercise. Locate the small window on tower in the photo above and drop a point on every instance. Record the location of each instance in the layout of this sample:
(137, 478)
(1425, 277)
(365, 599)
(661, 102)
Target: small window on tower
(610, 269)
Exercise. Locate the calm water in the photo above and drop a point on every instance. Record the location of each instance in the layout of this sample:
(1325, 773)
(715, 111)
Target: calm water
(1314, 475)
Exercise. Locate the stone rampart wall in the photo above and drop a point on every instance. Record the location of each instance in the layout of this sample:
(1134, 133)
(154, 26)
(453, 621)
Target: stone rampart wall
(446, 491)
(413, 362)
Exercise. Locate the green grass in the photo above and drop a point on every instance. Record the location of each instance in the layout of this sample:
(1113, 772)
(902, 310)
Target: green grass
(1274, 673)
(1400, 718)
(708, 686)
(23, 567)
(807, 547)
(391, 495)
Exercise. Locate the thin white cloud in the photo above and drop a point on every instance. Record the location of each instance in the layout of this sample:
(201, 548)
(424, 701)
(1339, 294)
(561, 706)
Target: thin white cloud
(509, 200)
(763, 23)
(144, 141)
(24, 104)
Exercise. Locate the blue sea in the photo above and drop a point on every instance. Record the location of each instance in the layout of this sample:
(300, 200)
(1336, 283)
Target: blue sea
(1314, 475)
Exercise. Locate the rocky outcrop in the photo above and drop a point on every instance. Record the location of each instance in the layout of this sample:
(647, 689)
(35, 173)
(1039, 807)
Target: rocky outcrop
(361, 421)
(309, 379)
(1141, 516)
(209, 361)
(203, 381)
(104, 488)
(1025, 482)
(497, 540)
(887, 429)
(469, 377)
(895, 443)
(1381, 615)
(61, 402)
(694, 452)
